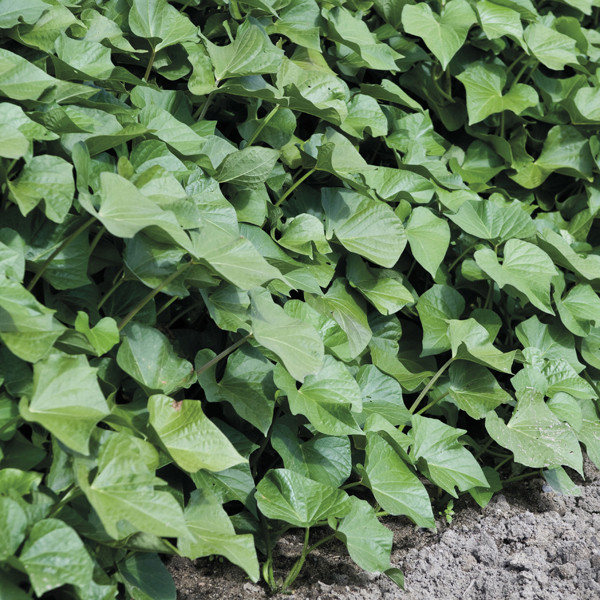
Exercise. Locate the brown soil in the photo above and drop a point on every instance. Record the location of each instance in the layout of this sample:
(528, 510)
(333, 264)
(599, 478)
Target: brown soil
(527, 544)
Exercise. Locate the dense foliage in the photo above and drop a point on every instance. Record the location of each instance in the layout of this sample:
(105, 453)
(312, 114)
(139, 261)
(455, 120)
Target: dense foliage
(237, 236)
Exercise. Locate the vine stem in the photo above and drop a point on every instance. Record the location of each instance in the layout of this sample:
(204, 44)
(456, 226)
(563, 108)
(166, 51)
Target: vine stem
(461, 256)
(222, 355)
(97, 238)
(116, 283)
(430, 384)
(66, 242)
(287, 193)
(432, 403)
(136, 309)
(262, 125)
(150, 63)
(166, 305)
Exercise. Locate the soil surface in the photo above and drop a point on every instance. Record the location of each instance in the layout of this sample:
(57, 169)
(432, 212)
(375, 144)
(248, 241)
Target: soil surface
(527, 544)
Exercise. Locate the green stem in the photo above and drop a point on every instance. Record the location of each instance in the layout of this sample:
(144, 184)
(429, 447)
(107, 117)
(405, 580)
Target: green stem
(295, 570)
(461, 256)
(223, 354)
(201, 113)
(490, 296)
(97, 238)
(430, 384)
(166, 305)
(136, 309)
(181, 314)
(262, 125)
(294, 186)
(503, 462)
(591, 382)
(112, 290)
(432, 403)
(150, 63)
(66, 242)
(440, 90)
(522, 70)
(351, 485)
(185, 6)
(521, 477)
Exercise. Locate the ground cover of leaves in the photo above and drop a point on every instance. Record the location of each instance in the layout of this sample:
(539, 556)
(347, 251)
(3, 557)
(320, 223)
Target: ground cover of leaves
(526, 544)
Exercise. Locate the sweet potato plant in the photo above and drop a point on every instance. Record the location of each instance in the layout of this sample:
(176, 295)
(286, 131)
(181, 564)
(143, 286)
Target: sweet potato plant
(273, 264)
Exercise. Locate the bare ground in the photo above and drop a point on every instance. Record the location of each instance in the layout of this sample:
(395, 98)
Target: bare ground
(527, 544)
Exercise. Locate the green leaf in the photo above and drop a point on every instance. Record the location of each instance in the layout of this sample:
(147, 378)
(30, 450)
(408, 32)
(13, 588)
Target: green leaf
(429, 238)
(498, 21)
(103, 336)
(124, 211)
(249, 167)
(475, 390)
(484, 84)
(47, 178)
(13, 143)
(436, 306)
(535, 435)
(327, 399)
(589, 432)
(552, 342)
(381, 395)
(27, 11)
(369, 543)
(494, 219)
(251, 53)
(381, 287)
(193, 441)
(233, 257)
(290, 497)
(579, 310)
(353, 32)
(54, 555)
(246, 385)
(396, 488)
(443, 34)
(348, 312)
(553, 49)
(365, 114)
(66, 399)
(326, 459)
(565, 150)
(27, 328)
(442, 458)
(158, 20)
(147, 355)
(122, 492)
(364, 226)
(146, 577)
(471, 341)
(295, 342)
(13, 525)
(211, 532)
(526, 269)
